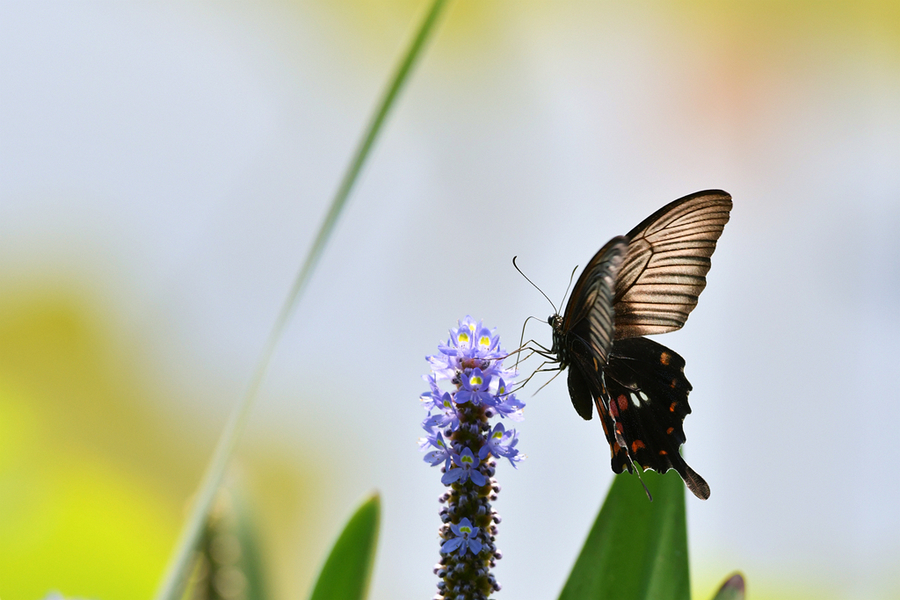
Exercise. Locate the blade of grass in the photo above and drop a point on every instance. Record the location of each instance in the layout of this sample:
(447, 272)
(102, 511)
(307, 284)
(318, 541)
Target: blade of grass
(251, 556)
(179, 564)
(346, 573)
(637, 549)
(231, 559)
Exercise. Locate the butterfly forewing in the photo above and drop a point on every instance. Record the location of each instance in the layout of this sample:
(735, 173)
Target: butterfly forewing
(665, 267)
(588, 319)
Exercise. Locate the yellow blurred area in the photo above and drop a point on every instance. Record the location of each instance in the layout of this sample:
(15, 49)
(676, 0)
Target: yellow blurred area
(92, 481)
(85, 507)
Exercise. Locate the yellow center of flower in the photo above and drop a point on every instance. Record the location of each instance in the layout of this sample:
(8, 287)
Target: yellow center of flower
(475, 380)
(462, 338)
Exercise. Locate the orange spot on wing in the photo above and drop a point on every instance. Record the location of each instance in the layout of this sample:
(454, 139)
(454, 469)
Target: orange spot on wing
(670, 430)
(613, 410)
(623, 402)
(619, 429)
(636, 445)
(674, 383)
(672, 407)
(662, 452)
(664, 358)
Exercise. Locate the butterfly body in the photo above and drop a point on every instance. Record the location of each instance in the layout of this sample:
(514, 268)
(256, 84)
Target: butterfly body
(643, 283)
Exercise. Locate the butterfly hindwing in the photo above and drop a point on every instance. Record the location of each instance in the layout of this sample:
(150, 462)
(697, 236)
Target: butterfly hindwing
(591, 379)
(665, 267)
(580, 393)
(647, 399)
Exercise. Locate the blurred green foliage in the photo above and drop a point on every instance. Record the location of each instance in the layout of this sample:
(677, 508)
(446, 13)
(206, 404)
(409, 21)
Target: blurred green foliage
(74, 515)
(95, 470)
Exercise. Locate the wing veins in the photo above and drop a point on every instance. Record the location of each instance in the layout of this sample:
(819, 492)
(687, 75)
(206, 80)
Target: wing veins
(665, 267)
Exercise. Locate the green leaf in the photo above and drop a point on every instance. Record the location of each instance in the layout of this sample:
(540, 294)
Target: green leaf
(346, 573)
(637, 549)
(732, 589)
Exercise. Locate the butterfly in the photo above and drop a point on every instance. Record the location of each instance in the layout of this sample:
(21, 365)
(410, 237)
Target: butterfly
(642, 283)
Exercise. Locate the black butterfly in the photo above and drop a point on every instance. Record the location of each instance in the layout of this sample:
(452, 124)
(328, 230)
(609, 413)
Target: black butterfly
(642, 283)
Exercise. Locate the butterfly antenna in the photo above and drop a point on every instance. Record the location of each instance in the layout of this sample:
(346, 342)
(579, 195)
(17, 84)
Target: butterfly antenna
(555, 311)
(568, 287)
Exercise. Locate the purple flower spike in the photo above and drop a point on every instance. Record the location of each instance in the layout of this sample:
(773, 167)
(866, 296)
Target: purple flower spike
(470, 364)
(443, 454)
(466, 539)
(500, 443)
(476, 389)
(466, 469)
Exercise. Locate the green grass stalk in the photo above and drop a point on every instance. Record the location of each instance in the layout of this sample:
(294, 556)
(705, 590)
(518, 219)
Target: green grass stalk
(173, 582)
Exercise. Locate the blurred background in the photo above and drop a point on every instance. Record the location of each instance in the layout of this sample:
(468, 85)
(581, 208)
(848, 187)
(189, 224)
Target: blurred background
(163, 169)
